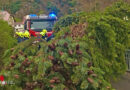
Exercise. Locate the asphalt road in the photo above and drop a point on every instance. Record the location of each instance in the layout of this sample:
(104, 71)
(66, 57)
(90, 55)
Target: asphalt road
(123, 83)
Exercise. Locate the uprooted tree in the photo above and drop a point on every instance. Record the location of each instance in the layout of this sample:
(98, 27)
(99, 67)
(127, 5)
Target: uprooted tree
(87, 51)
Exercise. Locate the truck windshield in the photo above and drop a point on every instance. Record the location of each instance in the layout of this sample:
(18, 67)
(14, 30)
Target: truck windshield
(39, 25)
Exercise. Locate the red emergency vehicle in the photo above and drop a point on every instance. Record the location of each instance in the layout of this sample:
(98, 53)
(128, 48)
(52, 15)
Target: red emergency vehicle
(35, 24)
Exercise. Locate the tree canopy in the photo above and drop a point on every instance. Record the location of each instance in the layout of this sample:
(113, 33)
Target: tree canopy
(6, 37)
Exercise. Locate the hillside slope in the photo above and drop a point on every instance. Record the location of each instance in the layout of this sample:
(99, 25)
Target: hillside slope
(20, 8)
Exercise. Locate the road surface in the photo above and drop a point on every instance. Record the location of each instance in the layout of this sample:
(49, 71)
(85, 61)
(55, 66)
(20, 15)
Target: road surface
(123, 83)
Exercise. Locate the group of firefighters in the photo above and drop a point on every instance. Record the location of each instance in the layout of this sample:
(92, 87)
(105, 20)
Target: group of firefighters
(21, 36)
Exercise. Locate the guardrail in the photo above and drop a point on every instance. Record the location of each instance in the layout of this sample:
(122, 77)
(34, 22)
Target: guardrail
(127, 57)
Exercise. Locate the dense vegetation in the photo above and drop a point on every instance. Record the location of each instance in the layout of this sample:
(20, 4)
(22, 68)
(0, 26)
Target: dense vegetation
(15, 6)
(87, 51)
(6, 38)
(19, 8)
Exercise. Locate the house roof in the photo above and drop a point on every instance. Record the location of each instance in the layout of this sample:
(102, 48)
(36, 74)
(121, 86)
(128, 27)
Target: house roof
(18, 23)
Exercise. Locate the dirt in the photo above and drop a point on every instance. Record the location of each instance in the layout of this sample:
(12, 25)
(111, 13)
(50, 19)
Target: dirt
(123, 83)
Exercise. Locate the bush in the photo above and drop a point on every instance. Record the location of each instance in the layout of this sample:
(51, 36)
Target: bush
(6, 38)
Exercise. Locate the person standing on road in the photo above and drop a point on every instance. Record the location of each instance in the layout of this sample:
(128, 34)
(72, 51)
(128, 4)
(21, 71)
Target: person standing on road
(20, 36)
(43, 33)
(26, 35)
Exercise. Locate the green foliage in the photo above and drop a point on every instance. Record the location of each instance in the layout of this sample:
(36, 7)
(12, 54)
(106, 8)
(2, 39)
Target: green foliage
(37, 1)
(27, 69)
(68, 20)
(41, 12)
(17, 19)
(87, 52)
(72, 3)
(106, 42)
(35, 5)
(15, 6)
(6, 38)
(119, 9)
(111, 38)
(51, 7)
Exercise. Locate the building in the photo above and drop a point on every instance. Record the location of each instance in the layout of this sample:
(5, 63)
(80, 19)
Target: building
(19, 27)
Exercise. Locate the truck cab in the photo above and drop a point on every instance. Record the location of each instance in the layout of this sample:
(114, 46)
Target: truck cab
(35, 24)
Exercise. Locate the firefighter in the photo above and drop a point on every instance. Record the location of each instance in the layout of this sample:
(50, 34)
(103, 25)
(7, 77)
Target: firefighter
(26, 35)
(20, 36)
(43, 33)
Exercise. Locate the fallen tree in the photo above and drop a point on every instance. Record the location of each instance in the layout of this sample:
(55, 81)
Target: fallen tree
(87, 51)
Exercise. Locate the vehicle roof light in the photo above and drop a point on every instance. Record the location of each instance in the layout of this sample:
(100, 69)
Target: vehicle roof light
(52, 15)
(33, 15)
